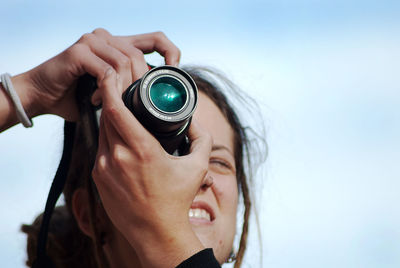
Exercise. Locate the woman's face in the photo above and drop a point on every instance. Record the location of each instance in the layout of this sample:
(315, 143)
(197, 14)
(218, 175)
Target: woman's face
(213, 212)
(222, 196)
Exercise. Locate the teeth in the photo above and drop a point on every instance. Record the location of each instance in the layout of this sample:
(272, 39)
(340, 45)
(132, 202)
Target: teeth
(199, 214)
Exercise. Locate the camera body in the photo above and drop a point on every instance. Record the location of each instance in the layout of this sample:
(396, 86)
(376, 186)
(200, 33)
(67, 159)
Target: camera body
(163, 101)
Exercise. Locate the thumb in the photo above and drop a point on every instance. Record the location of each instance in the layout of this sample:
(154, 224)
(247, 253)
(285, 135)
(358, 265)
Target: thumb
(201, 142)
(200, 149)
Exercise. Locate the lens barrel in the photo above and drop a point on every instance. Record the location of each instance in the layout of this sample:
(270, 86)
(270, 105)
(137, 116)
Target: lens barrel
(163, 101)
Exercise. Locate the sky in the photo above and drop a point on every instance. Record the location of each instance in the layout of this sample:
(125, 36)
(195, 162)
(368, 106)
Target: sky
(326, 77)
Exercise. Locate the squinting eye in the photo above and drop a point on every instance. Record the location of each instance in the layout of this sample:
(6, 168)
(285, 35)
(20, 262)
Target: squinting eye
(221, 164)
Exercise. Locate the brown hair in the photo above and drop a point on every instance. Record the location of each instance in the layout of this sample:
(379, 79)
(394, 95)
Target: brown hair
(208, 81)
(63, 250)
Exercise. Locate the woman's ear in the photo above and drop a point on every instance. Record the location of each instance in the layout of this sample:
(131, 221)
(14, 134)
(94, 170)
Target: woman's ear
(81, 210)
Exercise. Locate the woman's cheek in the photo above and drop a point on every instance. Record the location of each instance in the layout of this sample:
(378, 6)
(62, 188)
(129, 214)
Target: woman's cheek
(226, 190)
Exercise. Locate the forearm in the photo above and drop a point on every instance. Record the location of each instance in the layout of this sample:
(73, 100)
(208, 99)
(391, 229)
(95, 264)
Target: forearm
(8, 115)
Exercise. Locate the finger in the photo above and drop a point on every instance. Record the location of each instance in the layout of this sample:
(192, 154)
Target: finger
(80, 60)
(109, 89)
(158, 42)
(104, 146)
(119, 153)
(101, 164)
(201, 144)
(96, 98)
(138, 65)
(197, 160)
(124, 122)
(120, 62)
(112, 134)
(200, 138)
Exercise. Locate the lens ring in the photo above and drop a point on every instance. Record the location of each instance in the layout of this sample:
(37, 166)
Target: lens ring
(184, 78)
(168, 94)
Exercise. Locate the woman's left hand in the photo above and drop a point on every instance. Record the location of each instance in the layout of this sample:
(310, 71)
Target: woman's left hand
(145, 191)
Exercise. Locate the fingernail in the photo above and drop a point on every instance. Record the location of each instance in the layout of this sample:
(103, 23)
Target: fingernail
(96, 101)
(108, 72)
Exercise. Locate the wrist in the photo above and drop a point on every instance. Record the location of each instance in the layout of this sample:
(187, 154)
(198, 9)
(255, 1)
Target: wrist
(24, 88)
(16, 102)
(168, 248)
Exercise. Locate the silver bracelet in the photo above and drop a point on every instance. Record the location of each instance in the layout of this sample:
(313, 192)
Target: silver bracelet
(21, 114)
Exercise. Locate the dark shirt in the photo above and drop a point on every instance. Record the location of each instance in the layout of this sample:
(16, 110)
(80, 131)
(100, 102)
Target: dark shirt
(202, 259)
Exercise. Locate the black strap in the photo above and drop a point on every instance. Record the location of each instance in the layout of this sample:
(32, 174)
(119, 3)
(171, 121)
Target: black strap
(42, 260)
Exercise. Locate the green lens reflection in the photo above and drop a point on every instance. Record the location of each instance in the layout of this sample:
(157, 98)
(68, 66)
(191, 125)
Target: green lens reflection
(168, 94)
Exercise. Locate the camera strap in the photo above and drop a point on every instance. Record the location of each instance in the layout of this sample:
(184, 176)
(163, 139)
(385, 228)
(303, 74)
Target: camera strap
(42, 260)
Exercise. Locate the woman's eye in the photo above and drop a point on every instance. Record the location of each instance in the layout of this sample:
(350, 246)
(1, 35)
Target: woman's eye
(221, 164)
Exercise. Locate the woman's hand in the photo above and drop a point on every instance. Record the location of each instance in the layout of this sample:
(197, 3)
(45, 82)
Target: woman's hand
(145, 191)
(49, 88)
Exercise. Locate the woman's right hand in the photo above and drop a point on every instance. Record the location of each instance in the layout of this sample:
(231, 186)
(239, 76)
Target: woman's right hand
(50, 87)
(146, 192)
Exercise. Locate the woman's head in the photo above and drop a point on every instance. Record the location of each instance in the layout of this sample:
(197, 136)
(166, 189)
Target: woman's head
(215, 86)
(213, 213)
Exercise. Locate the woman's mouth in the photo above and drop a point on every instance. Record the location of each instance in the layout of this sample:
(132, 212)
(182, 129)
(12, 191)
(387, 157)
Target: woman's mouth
(201, 212)
(198, 213)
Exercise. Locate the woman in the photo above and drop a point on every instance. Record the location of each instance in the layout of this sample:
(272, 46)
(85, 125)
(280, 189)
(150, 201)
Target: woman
(140, 216)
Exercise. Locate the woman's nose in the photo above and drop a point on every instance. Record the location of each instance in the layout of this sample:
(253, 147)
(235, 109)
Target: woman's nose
(207, 182)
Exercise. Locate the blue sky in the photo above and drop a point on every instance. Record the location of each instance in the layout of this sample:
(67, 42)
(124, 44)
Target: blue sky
(326, 74)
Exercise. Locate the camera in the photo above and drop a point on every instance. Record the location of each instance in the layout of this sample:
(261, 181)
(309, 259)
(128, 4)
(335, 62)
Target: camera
(163, 101)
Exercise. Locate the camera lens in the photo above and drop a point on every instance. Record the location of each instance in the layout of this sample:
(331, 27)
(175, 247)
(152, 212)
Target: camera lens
(168, 94)
(164, 101)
